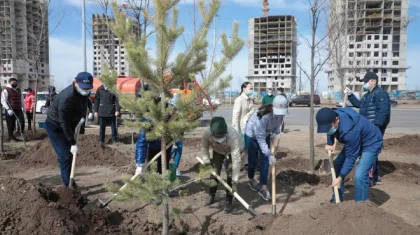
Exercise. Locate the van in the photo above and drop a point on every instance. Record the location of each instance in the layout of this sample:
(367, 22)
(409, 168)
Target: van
(304, 100)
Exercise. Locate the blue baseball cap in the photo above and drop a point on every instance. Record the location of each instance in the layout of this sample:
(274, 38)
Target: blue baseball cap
(324, 118)
(84, 80)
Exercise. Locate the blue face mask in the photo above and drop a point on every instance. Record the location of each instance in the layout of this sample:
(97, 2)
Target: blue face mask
(332, 131)
(250, 92)
(83, 92)
(366, 87)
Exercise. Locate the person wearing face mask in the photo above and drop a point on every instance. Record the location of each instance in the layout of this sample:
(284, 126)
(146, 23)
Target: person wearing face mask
(68, 108)
(376, 107)
(242, 111)
(13, 102)
(360, 138)
(224, 141)
(262, 127)
(268, 99)
(107, 109)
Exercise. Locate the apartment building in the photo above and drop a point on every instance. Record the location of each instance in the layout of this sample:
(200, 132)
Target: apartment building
(374, 38)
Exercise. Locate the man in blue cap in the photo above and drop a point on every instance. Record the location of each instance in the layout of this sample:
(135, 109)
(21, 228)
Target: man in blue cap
(69, 106)
(376, 107)
(360, 138)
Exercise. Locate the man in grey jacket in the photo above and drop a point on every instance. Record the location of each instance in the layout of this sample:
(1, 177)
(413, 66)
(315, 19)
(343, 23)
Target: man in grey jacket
(224, 141)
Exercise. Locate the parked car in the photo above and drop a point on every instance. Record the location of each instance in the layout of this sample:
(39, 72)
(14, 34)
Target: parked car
(41, 101)
(304, 100)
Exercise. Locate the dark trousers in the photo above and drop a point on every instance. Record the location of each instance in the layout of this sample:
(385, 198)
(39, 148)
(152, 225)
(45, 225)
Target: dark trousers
(375, 168)
(11, 122)
(62, 148)
(217, 163)
(30, 117)
(282, 127)
(103, 122)
(152, 152)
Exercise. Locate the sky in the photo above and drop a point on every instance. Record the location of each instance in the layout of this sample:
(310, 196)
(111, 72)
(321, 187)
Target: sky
(66, 45)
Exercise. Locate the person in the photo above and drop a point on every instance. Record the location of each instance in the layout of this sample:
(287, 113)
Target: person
(30, 106)
(375, 105)
(268, 99)
(360, 138)
(51, 95)
(281, 92)
(13, 102)
(242, 111)
(226, 142)
(261, 128)
(106, 108)
(68, 108)
(177, 150)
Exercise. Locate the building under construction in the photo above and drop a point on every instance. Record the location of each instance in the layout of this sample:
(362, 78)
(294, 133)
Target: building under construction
(272, 52)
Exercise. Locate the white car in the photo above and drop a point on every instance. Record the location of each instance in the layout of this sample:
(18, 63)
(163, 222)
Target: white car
(41, 101)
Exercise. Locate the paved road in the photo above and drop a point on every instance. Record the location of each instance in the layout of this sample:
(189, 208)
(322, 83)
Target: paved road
(403, 120)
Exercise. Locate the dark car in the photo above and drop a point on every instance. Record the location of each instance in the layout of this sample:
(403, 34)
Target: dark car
(304, 100)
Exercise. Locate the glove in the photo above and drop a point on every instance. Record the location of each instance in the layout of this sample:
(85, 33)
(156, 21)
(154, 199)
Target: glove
(117, 113)
(234, 187)
(139, 169)
(10, 112)
(348, 92)
(206, 161)
(96, 114)
(90, 116)
(74, 149)
(272, 160)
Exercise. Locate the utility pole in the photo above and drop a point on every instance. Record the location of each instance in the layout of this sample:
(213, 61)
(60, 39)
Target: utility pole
(84, 34)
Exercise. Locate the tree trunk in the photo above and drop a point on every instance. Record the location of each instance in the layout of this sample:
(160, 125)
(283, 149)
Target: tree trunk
(1, 130)
(165, 222)
(35, 100)
(165, 205)
(312, 111)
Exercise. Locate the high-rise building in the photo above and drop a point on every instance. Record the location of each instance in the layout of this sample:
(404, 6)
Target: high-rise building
(107, 49)
(373, 37)
(21, 24)
(272, 52)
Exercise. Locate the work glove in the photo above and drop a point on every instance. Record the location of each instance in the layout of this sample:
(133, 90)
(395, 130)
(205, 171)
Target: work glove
(117, 114)
(90, 116)
(272, 160)
(10, 112)
(74, 149)
(139, 169)
(96, 114)
(348, 92)
(206, 161)
(234, 187)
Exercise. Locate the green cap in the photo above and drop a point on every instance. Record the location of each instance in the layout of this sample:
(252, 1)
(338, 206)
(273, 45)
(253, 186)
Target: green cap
(218, 126)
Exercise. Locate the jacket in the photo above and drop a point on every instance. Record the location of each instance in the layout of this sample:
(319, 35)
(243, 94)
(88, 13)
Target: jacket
(67, 110)
(375, 106)
(14, 97)
(233, 145)
(50, 99)
(30, 101)
(268, 99)
(242, 110)
(259, 129)
(106, 103)
(358, 135)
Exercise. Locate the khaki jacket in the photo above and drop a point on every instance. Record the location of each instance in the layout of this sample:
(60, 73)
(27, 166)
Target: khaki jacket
(242, 111)
(233, 145)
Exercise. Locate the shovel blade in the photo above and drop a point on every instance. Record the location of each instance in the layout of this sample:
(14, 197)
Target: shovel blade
(97, 203)
(326, 166)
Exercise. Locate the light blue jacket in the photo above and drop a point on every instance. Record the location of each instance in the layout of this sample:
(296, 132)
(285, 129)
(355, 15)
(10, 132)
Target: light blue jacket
(259, 129)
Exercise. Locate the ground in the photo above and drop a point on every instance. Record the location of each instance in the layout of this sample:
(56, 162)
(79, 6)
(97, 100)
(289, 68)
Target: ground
(301, 196)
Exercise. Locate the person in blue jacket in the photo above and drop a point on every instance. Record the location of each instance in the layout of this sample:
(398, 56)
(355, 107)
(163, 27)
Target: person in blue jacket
(376, 107)
(263, 125)
(360, 138)
(177, 150)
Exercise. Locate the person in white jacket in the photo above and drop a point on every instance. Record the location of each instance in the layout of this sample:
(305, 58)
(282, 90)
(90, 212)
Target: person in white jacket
(224, 141)
(242, 111)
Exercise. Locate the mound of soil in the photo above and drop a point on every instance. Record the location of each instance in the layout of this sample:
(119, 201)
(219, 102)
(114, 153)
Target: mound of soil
(344, 218)
(30, 209)
(408, 144)
(91, 153)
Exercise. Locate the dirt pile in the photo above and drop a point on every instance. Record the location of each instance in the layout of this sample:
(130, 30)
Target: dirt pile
(344, 218)
(407, 144)
(91, 153)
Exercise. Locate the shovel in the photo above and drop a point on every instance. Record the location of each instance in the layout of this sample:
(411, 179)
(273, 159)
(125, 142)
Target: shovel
(235, 194)
(99, 203)
(273, 180)
(334, 176)
(73, 163)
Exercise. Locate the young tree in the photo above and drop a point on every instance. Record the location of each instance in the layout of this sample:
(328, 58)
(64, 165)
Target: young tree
(162, 74)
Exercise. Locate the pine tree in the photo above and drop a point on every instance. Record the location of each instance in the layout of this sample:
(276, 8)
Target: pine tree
(161, 75)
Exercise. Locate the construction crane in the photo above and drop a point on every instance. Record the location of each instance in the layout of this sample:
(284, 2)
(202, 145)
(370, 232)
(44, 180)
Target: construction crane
(266, 9)
(407, 21)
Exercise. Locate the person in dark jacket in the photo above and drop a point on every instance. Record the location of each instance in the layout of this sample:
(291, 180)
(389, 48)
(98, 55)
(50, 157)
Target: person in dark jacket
(268, 99)
(375, 105)
(360, 138)
(107, 109)
(281, 92)
(68, 108)
(13, 102)
(51, 95)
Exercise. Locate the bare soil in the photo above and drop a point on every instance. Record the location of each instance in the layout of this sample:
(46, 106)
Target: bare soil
(407, 144)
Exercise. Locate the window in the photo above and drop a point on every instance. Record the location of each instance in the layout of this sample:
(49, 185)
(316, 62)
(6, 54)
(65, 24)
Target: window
(376, 54)
(122, 52)
(384, 46)
(359, 45)
(394, 79)
(369, 45)
(122, 73)
(383, 79)
(31, 70)
(94, 52)
(395, 54)
(395, 62)
(376, 46)
(359, 54)
(385, 37)
(358, 62)
(94, 58)
(368, 62)
(384, 63)
(351, 38)
(368, 54)
(376, 62)
(395, 71)
(375, 70)
(42, 65)
(383, 70)
(351, 46)
(351, 54)
(350, 62)
(282, 84)
(369, 37)
(384, 54)
(42, 71)
(377, 37)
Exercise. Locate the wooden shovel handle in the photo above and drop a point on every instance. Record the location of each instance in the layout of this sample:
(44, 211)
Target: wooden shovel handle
(334, 177)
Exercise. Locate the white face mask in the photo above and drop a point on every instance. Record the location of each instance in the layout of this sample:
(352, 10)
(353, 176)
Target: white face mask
(219, 140)
(83, 92)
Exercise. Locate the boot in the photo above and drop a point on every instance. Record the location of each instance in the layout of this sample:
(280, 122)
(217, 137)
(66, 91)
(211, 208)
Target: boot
(212, 196)
(228, 203)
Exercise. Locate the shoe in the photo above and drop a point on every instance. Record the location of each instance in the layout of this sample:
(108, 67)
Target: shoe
(378, 181)
(264, 194)
(210, 200)
(114, 142)
(281, 133)
(139, 170)
(253, 185)
(178, 173)
(228, 204)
